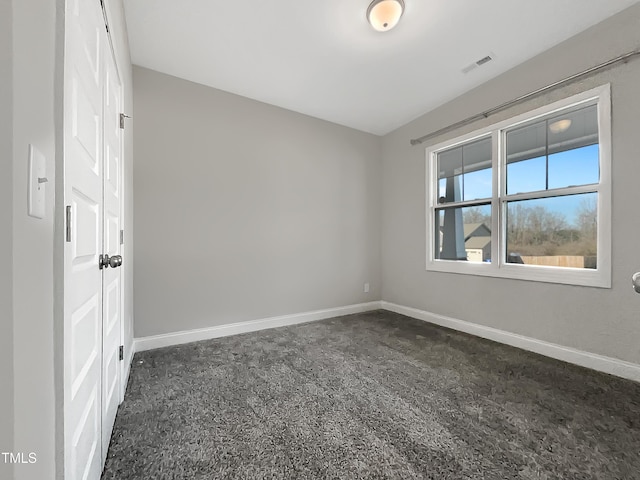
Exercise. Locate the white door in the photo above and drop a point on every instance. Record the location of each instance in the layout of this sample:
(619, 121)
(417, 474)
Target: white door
(84, 230)
(92, 294)
(112, 286)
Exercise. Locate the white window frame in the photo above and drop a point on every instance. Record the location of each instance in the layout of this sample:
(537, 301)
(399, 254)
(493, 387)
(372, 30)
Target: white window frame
(599, 277)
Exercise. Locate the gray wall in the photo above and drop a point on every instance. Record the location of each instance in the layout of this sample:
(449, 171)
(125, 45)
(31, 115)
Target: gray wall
(602, 321)
(34, 41)
(6, 236)
(246, 211)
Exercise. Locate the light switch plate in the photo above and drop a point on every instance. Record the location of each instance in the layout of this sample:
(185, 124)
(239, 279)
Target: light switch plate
(37, 182)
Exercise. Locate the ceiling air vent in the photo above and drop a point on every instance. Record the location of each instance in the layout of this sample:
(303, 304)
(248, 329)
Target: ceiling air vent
(477, 63)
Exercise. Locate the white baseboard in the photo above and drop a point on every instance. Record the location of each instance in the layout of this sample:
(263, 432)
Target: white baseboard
(187, 336)
(609, 365)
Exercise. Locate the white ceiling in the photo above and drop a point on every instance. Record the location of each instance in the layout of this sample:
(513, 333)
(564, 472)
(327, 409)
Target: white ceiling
(323, 59)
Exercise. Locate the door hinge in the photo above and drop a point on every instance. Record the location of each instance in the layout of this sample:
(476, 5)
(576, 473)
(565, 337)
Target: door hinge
(68, 219)
(121, 237)
(121, 352)
(122, 117)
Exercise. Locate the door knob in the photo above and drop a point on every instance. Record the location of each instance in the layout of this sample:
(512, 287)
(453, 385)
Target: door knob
(635, 281)
(115, 261)
(106, 261)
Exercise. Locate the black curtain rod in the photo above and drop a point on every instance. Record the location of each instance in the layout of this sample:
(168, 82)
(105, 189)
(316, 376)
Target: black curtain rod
(622, 58)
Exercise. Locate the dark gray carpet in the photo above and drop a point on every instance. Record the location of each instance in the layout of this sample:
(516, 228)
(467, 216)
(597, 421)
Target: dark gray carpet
(375, 395)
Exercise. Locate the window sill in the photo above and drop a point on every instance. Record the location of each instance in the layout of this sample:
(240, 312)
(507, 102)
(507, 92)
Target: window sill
(533, 273)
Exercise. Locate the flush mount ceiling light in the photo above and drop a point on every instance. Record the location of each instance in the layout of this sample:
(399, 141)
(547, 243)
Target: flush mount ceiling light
(383, 15)
(560, 126)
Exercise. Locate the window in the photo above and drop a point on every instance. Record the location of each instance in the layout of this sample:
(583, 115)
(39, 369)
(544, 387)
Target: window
(528, 198)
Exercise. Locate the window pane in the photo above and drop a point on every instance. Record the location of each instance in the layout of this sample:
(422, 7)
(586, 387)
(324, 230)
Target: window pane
(526, 176)
(557, 152)
(464, 172)
(442, 188)
(463, 234)
(476, 164)
(573, 129)
(526, 159)
(477, 185)
(527, 142)
(556, 231)
(450, 162)
(450, 189)
(574, 167)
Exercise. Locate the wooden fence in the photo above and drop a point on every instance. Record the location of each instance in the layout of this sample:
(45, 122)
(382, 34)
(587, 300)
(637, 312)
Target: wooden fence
(575, 261)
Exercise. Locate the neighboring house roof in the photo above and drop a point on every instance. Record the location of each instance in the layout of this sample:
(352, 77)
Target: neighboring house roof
(477, 243)
(476, 230)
